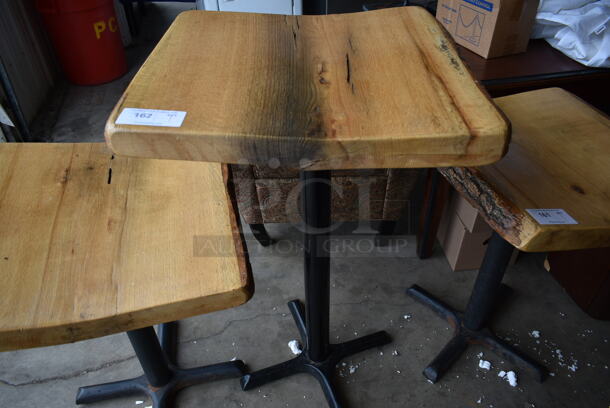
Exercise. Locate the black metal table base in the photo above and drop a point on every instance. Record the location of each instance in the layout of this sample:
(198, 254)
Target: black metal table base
(471, 327)
(319, 357)
(463, 336)
(323, 370)
(161, 379)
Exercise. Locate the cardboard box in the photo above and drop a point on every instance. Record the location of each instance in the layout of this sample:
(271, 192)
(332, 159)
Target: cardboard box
(490, 28)
(469, 215)
(463, 235)
(464, 249)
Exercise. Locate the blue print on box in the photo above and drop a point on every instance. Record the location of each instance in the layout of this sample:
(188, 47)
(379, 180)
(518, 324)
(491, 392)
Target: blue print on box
(485, 5)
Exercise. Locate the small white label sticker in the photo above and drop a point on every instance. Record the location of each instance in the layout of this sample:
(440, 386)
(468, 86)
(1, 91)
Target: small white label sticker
(151, 117)
(551, 216)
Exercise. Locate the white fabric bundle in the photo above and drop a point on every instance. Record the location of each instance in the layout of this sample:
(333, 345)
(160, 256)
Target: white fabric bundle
(578, 28)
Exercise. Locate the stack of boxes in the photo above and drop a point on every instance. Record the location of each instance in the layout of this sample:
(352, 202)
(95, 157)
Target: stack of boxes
(463, 234)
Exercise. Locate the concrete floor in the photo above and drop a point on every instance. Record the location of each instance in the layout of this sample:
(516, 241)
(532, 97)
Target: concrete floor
(367, 295)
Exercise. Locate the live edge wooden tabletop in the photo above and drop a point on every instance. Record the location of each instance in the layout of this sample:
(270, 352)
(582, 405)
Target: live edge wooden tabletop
(91, 245)
(559, 158)
(383, 88)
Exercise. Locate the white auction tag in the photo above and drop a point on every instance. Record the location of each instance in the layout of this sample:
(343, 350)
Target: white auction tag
(551, 216)
(150, 117)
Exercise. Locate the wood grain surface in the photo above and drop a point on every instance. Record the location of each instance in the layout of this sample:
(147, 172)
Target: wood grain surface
(559, 157)
(376, 89)
(91, 245)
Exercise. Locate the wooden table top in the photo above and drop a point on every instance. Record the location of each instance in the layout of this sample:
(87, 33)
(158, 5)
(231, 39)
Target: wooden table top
(378, 89)
(85, 252)
(559, 158)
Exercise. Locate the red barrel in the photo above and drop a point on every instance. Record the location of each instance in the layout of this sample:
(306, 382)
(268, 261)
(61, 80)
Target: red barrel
(86, 36)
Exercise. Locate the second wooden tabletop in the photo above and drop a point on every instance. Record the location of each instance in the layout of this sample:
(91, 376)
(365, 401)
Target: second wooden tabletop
(92, 245)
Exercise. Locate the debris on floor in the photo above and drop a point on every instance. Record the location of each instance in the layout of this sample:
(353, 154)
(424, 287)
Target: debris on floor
(559, 354)
(486, 365)
(295, 347)
(510, 376)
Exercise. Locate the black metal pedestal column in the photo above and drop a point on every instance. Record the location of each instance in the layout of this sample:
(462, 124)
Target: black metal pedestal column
(435, 195)
(161, 379)
(471, 327)
(319, 357)
(316, 199)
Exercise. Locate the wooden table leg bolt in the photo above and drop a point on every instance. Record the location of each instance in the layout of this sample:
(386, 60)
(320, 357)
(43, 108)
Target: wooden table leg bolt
(319, 358)
(161, 379)
(471, 327)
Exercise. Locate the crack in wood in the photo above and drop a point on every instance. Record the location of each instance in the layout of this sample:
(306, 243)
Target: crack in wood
(66, 176)
(349, 68)
(321, 71)
(109, 179)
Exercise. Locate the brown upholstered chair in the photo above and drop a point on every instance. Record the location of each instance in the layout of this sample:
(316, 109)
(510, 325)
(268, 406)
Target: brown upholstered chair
(270, 195)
